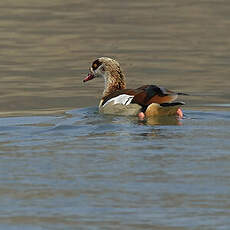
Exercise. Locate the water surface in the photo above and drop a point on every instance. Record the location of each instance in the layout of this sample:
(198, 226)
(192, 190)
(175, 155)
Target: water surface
(88, 171)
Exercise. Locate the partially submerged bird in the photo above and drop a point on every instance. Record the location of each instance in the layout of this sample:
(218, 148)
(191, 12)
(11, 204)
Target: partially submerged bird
(145, 101)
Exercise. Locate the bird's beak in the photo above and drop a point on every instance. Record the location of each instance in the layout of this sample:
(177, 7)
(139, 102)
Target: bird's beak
(89, 77)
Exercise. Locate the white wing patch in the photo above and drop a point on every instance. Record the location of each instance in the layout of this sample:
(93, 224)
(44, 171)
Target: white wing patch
(123, 99)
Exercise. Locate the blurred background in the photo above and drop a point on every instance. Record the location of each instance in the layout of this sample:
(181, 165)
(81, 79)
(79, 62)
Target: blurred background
(46, 48)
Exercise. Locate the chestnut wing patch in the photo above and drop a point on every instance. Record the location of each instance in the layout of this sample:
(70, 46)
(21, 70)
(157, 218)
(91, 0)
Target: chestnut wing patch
(153, 94)
(144, 96)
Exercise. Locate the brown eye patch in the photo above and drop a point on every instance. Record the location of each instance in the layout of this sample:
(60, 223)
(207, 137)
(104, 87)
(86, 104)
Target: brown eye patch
(96, 64)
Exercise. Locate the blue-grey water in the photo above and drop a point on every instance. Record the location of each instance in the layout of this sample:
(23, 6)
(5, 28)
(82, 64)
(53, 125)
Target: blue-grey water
(65, 166)
(83, 170)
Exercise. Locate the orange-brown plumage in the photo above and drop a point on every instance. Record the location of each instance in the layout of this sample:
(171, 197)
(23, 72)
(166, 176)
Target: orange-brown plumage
(141, 97)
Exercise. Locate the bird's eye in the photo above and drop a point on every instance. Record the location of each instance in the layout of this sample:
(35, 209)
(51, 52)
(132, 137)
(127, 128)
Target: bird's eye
(96, 64)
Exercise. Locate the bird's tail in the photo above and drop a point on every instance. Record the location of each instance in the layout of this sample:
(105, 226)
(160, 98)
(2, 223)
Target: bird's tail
(184, 94)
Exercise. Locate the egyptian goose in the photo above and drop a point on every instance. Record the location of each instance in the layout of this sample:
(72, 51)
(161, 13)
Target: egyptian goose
(145, 101)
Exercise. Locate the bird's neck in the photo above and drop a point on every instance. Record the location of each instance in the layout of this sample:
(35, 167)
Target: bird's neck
(113, 82)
